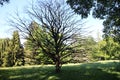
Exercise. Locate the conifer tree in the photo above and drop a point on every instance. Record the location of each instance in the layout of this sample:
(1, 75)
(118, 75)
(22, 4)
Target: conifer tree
(34, 54)
(7, 53)
(18, 51)
(1, 51)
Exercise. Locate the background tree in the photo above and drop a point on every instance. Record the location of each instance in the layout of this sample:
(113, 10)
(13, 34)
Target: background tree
(58, 24)
(84, 49)
(17, 49)
(1, 51)
(7, 53)
(112, 49)
(33, 53)
(107, 49)
(30, 53)
(11, 51)
(98, 51)
(103, 9)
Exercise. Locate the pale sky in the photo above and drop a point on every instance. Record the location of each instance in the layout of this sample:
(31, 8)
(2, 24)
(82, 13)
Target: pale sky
(95, 25)
(6, 11)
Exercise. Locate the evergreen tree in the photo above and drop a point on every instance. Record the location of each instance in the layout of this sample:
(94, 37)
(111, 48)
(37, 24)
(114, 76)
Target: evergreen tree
(7, 53)
(17, 48)
(1, 51)
(34, 54)
(11, 51)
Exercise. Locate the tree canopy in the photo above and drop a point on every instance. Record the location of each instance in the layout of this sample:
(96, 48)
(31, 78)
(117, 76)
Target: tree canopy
(109, 10)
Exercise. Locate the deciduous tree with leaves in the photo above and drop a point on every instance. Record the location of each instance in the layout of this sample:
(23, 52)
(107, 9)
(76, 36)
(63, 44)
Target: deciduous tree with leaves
(109, 10)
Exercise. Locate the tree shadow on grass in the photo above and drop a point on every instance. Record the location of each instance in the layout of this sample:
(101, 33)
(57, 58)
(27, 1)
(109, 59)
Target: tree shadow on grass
(90, 71)
(97, 71)
(26, 74)
(88, 74)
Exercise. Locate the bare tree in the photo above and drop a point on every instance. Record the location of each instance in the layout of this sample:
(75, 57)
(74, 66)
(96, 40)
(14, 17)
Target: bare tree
(58, 25)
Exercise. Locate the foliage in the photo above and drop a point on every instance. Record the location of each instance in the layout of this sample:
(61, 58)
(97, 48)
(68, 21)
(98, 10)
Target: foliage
(17, 50)
(11, 51)
(98, 53)
(112, 48)
(1, 51)
(103, 9)
(112, 29)
(107, 49)
(7, 53)
(34, 54)
(83, 50)
(89, 71)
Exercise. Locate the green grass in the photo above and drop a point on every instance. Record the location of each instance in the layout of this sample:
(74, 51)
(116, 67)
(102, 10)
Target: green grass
(87, 71)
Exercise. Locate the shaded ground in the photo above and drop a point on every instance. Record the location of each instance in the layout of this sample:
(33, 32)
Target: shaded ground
(88, 71)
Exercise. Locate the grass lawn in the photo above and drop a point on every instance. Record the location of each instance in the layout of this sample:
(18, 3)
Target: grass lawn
(87, 71)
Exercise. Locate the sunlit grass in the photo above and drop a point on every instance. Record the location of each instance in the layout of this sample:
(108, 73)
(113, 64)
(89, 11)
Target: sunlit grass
(105, 70)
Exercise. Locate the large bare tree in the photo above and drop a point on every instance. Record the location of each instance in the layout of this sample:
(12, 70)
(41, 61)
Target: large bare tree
(57, 23)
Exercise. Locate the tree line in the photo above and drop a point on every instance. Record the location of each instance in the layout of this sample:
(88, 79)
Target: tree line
(84, 49)
(11, 51)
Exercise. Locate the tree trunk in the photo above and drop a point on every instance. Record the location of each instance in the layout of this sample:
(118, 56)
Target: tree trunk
(58, 65)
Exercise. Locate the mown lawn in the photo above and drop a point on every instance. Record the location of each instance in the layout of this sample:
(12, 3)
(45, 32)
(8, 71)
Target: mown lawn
(87, 71)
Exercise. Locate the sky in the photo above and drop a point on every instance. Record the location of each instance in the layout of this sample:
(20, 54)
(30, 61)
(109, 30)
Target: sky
(94, 25)
(5, 11)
